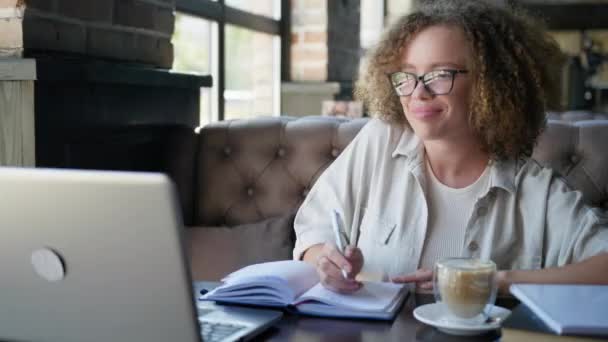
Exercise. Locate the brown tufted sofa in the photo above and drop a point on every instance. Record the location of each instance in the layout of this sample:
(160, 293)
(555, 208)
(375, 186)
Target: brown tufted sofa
(577, 115)
(240, 182)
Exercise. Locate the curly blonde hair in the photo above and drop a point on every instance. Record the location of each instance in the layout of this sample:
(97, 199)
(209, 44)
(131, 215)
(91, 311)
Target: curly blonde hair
(516, 68)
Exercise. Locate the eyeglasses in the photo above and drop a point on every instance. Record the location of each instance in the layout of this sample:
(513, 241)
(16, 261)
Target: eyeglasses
(436, 82)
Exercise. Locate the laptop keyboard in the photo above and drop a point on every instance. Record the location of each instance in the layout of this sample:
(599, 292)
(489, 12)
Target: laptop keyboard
(215, 331)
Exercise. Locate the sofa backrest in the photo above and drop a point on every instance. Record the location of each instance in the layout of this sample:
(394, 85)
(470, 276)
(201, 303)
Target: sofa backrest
(248, 170)
(578, 151)
(577, 115)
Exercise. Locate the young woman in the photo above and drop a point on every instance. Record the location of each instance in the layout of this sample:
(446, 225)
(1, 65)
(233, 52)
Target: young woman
(460, 90)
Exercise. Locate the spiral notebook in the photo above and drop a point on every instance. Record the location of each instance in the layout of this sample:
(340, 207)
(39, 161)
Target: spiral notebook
(567, 309)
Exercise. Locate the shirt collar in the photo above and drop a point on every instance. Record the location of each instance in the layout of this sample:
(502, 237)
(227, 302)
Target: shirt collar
(502, 173)
(409, 145)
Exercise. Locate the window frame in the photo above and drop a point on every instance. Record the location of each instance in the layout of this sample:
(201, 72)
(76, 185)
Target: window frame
(223, 14)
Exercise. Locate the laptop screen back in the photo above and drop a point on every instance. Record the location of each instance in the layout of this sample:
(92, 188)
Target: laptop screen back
(92, 256)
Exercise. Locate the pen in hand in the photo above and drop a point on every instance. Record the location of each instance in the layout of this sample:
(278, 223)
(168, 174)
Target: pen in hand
(335, 223)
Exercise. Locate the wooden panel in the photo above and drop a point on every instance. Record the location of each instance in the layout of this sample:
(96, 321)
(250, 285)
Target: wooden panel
(44, 5)
(53, 33)
(154, 49)
(151, 15)
(91, 10)
(134, 13)
(164, 20)
(512, 335)
(72, 119)
(112, 42)
(17, 139)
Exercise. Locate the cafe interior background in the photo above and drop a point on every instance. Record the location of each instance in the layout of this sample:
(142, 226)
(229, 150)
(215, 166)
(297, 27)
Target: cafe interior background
(86, 84)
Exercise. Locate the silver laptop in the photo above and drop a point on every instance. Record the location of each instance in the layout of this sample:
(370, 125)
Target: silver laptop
(97, 256)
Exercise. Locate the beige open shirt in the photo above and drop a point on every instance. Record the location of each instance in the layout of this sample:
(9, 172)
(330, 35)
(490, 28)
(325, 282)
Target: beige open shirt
(528, 219)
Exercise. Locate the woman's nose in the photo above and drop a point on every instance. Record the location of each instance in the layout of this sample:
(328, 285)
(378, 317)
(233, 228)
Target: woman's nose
(420, 92)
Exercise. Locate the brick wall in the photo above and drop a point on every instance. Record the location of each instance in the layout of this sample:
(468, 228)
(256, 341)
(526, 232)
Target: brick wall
(129, 30)
(309, 40)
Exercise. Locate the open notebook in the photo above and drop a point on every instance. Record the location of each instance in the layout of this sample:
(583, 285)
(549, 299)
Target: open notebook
(567, 309)
(294, 285)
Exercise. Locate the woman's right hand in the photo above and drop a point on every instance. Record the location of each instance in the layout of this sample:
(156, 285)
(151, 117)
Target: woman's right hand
(329, 263)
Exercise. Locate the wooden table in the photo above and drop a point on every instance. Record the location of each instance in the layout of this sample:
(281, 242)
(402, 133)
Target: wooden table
(405, 327)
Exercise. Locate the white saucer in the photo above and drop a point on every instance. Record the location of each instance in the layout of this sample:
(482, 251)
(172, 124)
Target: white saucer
(434, 314)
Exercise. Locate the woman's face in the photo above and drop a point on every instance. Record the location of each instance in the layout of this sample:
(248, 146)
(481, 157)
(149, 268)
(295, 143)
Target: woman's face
(439, 117)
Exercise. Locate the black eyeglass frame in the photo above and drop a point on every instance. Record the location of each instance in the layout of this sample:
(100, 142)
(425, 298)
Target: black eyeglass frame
(417, 78)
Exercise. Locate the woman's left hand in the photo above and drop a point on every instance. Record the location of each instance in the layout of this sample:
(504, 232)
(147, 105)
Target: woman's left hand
(422, 277)
(424, 280)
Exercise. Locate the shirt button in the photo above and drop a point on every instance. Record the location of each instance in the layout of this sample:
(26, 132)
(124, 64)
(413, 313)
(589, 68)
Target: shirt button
(249, 192)
(335, 153)
(473, 246)
(305, 192)
(482, 211)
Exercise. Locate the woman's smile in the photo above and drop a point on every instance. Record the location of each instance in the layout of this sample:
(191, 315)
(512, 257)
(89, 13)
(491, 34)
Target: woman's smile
(425, 112)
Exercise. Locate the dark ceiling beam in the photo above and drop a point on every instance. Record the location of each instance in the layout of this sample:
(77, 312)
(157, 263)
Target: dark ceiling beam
(570, 15)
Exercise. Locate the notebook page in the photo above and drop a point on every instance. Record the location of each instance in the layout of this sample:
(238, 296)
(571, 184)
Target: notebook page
(299, 276)
(319, 309)
(373, 296)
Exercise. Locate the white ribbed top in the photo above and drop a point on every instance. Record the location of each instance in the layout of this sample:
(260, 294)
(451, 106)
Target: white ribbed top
(449, 212)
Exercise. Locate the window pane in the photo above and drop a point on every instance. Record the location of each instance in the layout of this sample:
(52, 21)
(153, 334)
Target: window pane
(252, 73)
(397, 8)
(371, 21)
(194, 53)
(191, 40)
(269, 8)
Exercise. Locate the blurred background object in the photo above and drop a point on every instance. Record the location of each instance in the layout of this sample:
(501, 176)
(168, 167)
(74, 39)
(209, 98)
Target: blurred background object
(350, 109)
(584, 82)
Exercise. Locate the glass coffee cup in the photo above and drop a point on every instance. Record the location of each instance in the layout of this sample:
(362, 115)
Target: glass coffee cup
(465, 287)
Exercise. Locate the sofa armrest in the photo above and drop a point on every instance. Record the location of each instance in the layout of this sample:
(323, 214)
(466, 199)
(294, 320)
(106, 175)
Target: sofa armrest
(215, 252)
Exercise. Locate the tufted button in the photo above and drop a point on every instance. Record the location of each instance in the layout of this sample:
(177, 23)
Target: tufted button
(281, 152)
(575, 158)
(227, 151)
(305, 192)
(335, 153)
(473, 246)
(482, 211)
(250, 191)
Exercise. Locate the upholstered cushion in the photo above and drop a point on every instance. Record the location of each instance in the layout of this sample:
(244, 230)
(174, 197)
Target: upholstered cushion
(250, 170)
(577, 150)
(216, 251)
(577, 115)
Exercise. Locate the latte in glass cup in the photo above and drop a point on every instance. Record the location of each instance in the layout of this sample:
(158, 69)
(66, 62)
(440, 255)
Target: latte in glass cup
(465, 286)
